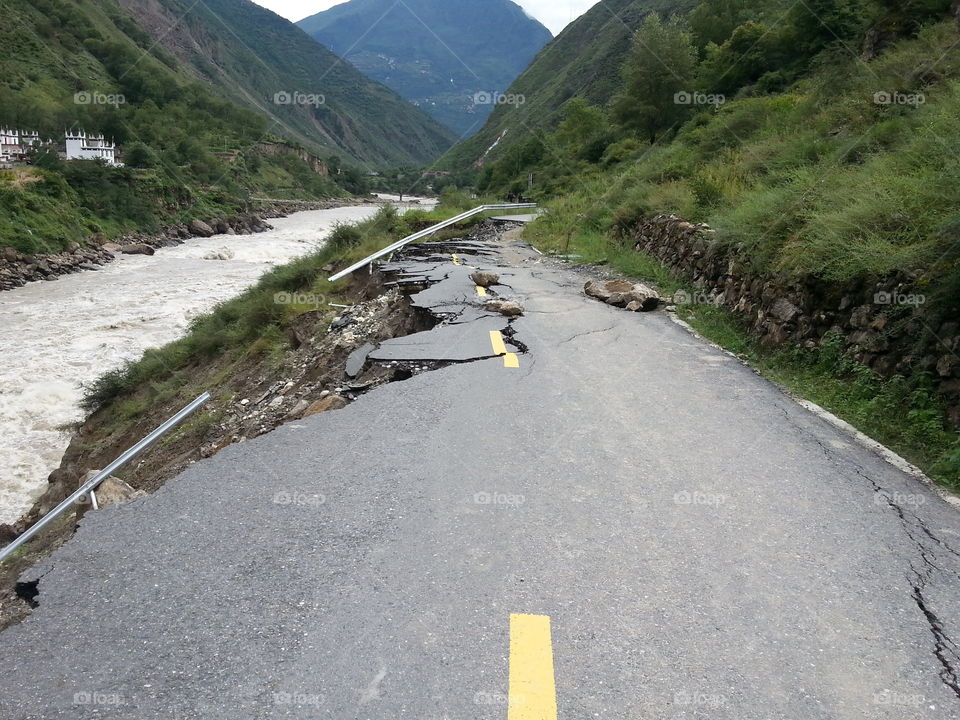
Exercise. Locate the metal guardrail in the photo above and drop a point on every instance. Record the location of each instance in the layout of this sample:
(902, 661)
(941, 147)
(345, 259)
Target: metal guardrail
(93, 483)
(429, 231)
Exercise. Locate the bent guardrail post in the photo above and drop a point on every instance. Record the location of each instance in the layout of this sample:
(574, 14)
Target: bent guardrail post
(95, 481)
(424, 233)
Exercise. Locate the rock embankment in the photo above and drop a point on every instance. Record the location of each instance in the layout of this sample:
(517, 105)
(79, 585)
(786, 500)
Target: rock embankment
(887, 323)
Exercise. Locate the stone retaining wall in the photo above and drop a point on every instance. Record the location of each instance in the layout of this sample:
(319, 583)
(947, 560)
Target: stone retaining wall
(886, 324)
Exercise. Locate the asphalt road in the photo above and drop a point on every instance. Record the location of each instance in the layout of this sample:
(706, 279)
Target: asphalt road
(629, 524)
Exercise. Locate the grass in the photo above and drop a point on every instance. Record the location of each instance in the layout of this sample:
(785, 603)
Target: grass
(904, 414)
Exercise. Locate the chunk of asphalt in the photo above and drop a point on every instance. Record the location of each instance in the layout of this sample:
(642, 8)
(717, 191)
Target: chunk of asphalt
(445, 343)
(358, 358)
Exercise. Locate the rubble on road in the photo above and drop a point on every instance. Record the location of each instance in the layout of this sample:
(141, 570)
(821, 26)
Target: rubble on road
(635, 297)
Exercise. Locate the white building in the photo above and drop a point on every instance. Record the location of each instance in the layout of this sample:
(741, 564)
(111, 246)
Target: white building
(15, 145)
(81, 146)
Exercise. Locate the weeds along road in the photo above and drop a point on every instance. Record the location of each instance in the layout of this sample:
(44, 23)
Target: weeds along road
(613, 520)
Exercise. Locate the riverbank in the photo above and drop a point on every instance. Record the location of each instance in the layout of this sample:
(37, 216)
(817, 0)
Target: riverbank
(285, 366)
(17, 269)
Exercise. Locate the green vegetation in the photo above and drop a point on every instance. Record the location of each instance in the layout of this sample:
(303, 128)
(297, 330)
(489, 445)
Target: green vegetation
(583, 61)
(198, 139)
(189, 153)
(252, 55)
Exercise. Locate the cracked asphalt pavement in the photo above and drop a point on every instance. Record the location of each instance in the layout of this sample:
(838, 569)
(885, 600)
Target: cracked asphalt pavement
(703, 546)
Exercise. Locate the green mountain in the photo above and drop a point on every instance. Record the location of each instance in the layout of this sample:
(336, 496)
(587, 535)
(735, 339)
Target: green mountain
(258, 59)
(209, 103)
(446, 56)
(582, 61)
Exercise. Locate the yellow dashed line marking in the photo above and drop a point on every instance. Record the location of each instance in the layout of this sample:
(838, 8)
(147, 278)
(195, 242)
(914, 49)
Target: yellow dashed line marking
(510, 359)
(481, 291)
(533, 692)
(456, 260)
(496, 339)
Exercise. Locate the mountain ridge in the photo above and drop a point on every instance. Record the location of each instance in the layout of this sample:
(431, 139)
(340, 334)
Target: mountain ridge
(442, 55)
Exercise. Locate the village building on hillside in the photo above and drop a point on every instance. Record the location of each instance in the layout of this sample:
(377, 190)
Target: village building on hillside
(81, 146)
(15, 147)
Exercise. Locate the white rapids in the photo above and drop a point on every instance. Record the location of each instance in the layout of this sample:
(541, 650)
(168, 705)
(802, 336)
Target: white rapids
(57, 336)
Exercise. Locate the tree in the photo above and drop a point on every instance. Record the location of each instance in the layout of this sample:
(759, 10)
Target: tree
(585, 132)
(139, 155)
(750, 52)
(715, 20)
(815, 24)
(660, 66)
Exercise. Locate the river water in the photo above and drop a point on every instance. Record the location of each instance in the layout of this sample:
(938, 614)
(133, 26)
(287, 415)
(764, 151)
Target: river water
(56, 336)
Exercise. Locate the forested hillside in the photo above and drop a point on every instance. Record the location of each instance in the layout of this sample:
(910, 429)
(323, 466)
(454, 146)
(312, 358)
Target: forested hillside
(582, 61)
(190, 150)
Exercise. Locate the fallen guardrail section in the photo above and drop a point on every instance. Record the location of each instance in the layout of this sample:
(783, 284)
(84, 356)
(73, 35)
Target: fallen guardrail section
(429, 231)
(93, 483)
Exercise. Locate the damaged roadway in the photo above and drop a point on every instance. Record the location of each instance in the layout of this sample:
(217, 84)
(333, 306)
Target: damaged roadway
(704, 546)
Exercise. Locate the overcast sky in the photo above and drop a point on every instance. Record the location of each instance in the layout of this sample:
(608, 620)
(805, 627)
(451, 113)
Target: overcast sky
(555, 14)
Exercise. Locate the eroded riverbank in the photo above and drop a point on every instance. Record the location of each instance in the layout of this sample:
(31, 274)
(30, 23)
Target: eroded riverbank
(56, 337)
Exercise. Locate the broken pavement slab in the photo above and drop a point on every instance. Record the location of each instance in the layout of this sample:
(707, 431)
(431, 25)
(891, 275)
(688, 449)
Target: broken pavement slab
(357, 359)
(445, 343)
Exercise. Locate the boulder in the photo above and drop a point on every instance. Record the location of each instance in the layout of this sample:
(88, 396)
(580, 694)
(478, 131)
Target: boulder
(603, 291)
(622, 293)
(200, 229)
(508, 308)
(485, 279)
(784, 310)
(10, 254)
(331, 402)
(111, 491)
(136, 249)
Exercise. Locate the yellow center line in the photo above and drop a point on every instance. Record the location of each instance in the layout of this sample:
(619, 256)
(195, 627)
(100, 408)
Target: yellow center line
(510, 359)
(481, 291)
(533, 692)
(456, 260)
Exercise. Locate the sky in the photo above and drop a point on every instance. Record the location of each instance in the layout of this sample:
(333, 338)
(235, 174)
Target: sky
(555, 14)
